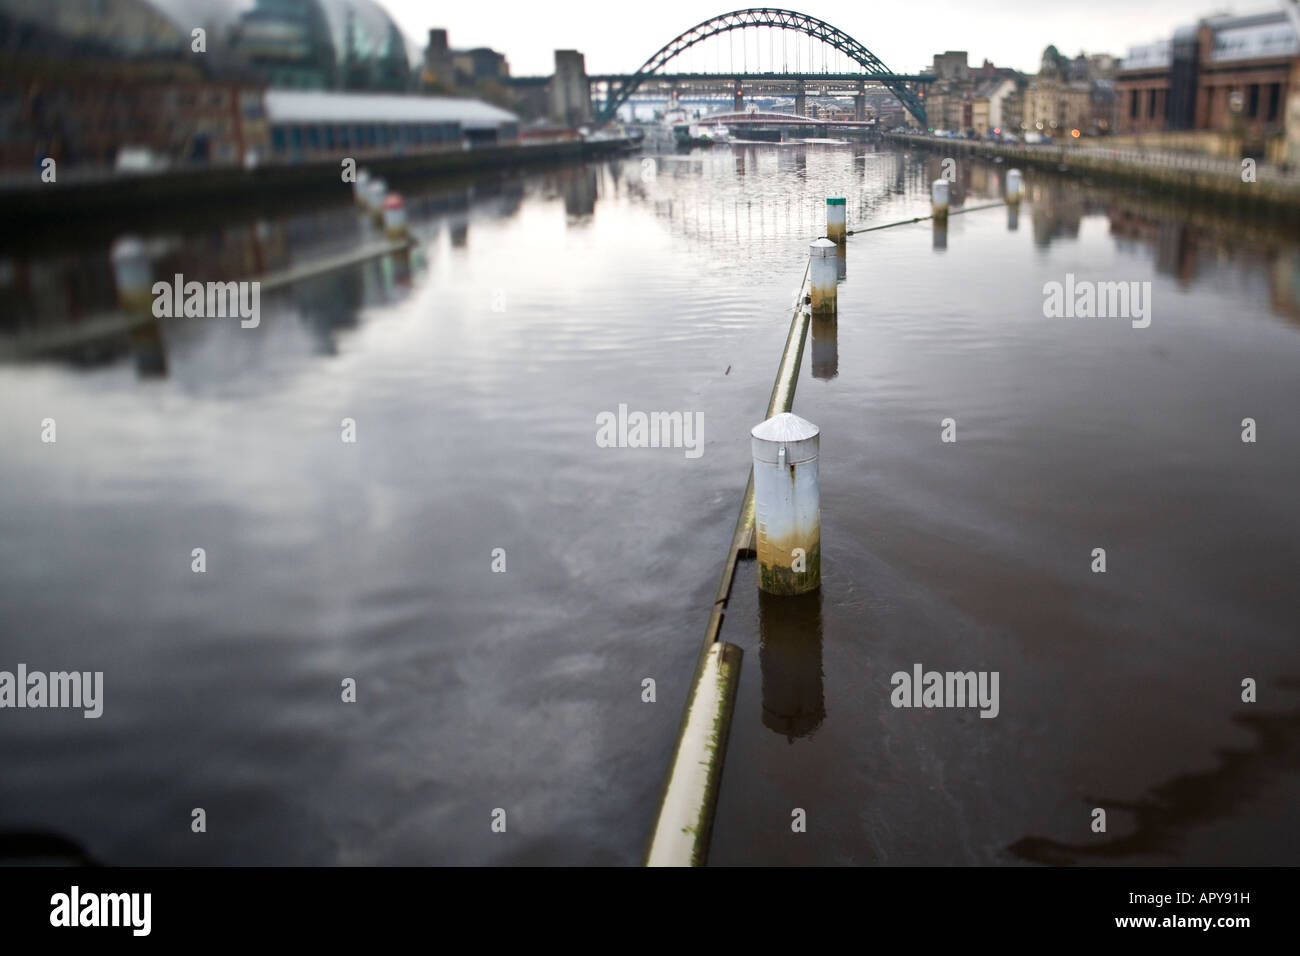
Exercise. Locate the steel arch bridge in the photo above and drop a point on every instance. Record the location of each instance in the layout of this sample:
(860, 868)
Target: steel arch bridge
(767, 17)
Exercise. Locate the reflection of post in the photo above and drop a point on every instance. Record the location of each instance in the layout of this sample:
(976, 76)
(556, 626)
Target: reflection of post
(580, 189)
(941, 234)
(825, 347)
(133, 275)
(794, 700)
(1015, 190)
(841, 262)
(402, 267)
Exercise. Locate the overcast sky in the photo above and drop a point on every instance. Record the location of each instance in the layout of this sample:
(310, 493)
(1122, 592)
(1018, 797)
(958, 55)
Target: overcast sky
(618, 36)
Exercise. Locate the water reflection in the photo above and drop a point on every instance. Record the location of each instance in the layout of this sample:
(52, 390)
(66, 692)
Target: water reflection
(1165, 816)
(579, 187)
(825, 347)
(343, 568)
(940, 234)
(794, 702)
(63, 303)
(1056, 212)
(148, 350)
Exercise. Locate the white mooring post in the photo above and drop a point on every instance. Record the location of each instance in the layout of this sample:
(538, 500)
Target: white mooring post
(787, 504)
(394, 216)
(361, 187)
(835, 219)
(377, 191)
(823, 268)
(939, 199)
(133, 276)
(1014, 186)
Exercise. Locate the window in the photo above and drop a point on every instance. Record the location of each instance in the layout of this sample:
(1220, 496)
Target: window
(1252, 109)
(1133, 104)
(1151, 104)
(1274, 101)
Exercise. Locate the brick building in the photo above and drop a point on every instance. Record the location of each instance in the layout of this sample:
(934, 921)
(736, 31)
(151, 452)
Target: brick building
(1225, 73)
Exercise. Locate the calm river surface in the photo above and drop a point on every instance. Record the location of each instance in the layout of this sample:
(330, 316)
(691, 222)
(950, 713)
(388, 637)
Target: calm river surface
(474, 379)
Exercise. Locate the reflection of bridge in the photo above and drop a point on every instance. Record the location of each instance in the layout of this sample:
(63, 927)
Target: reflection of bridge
(763, 120)
(793, 43)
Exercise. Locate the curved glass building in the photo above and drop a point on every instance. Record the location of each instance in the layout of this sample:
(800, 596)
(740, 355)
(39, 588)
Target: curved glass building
(323, 44)
(304, 44)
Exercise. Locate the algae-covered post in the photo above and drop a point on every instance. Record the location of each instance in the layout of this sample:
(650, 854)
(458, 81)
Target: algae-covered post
(822, 276)
(787, 504)
(1014, 186)
(133, 275)
(394, 216)
(377, 190)
(835, 223)
(939, 200)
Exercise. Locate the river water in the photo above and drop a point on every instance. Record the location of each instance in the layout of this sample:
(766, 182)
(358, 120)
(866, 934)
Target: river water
(473, 378)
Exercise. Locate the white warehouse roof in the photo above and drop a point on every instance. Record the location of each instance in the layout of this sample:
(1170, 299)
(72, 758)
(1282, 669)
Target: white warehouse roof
(318, 106)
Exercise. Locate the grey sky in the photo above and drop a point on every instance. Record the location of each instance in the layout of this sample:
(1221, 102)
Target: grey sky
(618, 36)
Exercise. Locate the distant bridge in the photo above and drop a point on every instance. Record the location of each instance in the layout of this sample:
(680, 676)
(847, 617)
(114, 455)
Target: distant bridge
(789, 71)
(757, 19)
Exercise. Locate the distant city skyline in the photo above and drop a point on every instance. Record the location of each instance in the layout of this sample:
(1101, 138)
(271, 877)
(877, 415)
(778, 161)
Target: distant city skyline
(1011, 33)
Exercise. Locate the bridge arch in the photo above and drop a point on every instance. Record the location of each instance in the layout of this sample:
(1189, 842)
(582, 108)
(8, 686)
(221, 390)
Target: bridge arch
(765, 17)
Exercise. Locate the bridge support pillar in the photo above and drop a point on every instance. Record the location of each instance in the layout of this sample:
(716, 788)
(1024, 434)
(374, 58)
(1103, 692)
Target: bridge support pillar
(569, 89)
(800, 99)
(860, 104)
(740, 98)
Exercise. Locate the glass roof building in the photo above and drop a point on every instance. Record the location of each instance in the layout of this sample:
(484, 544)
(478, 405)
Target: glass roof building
(304, 44)
(323, 44)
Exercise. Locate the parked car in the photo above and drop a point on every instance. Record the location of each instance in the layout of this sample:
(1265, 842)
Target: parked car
(140, 159)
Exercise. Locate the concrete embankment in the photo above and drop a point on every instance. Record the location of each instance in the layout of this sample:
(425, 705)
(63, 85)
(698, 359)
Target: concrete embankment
(1227, 184)
(182, 193)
